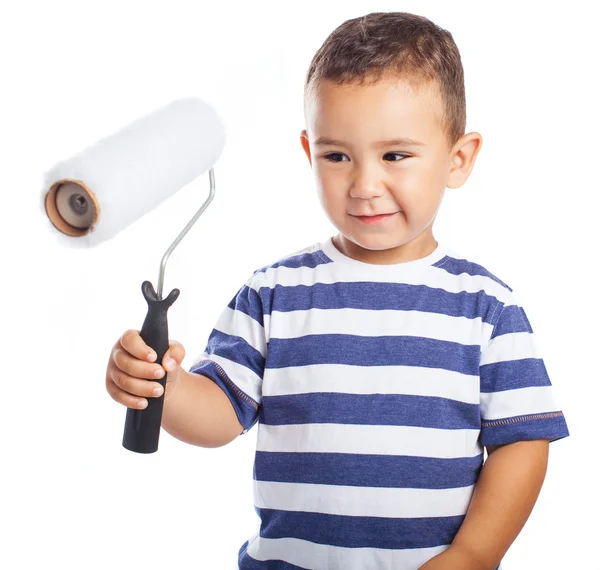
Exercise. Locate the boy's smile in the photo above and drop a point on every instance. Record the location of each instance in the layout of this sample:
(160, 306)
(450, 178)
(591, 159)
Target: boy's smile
(382, 149)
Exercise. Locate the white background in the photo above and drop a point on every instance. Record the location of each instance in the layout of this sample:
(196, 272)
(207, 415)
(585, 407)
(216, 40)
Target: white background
(73, 72)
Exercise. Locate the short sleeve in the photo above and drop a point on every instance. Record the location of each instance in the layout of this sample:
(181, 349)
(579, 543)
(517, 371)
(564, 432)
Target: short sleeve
(234, 357)
(516, 395)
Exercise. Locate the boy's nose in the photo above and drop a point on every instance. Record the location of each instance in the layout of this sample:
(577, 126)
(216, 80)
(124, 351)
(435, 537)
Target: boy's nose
(367, 184)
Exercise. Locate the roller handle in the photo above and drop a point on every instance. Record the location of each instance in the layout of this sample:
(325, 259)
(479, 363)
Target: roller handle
(142, 427)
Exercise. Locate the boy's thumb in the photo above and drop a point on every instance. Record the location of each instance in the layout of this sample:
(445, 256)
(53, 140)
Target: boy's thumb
(174, 356)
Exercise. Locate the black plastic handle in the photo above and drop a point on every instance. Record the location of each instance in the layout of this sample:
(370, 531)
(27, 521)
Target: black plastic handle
(142, 427)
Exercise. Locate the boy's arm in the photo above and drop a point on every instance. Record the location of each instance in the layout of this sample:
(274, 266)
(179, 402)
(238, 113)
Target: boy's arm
(508, 487)
(198, 412)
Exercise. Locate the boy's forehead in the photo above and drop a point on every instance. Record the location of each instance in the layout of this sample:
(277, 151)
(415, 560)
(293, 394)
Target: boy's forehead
(388, 109)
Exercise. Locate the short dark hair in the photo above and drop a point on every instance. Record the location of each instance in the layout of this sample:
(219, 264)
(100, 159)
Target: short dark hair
(394, 44)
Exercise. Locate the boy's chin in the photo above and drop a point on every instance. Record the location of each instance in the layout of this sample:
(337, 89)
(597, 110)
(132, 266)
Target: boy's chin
(374, 242)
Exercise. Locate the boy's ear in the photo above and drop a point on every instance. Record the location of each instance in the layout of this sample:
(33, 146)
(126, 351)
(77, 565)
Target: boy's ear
(305, 145)
(463, 155)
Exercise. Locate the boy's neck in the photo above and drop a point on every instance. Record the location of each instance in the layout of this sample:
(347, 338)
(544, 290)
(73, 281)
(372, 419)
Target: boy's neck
(418, 248)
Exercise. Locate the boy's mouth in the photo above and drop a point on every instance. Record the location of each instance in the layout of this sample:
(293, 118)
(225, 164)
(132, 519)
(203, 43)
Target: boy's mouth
(375, 219)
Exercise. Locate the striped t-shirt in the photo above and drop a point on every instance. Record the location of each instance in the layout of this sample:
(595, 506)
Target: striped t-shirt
(375, 388)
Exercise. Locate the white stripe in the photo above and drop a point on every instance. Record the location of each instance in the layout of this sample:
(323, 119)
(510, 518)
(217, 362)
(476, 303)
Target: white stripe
(517, 402)
(308, 554)
(510, 346)
(369, 439)
(362, 501)
(364, 322)
(238, 323)
(350, 379)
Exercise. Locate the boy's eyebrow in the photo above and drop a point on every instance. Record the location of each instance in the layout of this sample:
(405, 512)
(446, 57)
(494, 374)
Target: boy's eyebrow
(402, 141)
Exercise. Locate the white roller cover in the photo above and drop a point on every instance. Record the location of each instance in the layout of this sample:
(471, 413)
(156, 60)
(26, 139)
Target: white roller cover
(129, 173)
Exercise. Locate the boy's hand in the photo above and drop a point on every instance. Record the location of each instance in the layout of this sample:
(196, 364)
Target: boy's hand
(129, 369)
(453, 558)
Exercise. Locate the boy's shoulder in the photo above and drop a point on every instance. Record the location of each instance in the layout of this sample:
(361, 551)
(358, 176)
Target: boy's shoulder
(476, 275)
(307, 256)
(459, 263)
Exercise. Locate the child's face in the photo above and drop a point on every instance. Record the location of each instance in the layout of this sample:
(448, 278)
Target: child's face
(357, 176)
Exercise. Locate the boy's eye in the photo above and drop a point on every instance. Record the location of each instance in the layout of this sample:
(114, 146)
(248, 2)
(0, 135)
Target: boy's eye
(396, 154)
(333, 156)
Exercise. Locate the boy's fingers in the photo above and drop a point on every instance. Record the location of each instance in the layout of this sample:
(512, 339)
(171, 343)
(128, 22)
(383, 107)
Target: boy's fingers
(126, 398)
(133, 343)
(133, 386)
(136, 367)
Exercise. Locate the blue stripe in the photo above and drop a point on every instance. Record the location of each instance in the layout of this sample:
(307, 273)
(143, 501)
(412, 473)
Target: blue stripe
(512, 320)
(248, 301)
(457, 266)
(513, 374)
(367, 470)
(518, 429)
(359, 532)
(371, 409)
(373, 351)
(377, 296)
(310, 260)
(236, 349)
(246, 562)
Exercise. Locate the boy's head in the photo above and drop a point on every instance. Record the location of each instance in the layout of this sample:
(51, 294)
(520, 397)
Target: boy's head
(384, 77)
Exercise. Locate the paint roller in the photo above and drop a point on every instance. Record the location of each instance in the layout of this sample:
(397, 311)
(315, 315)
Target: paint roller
(94, 195)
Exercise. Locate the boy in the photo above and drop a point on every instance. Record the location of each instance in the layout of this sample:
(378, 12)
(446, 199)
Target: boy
(378, 363)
